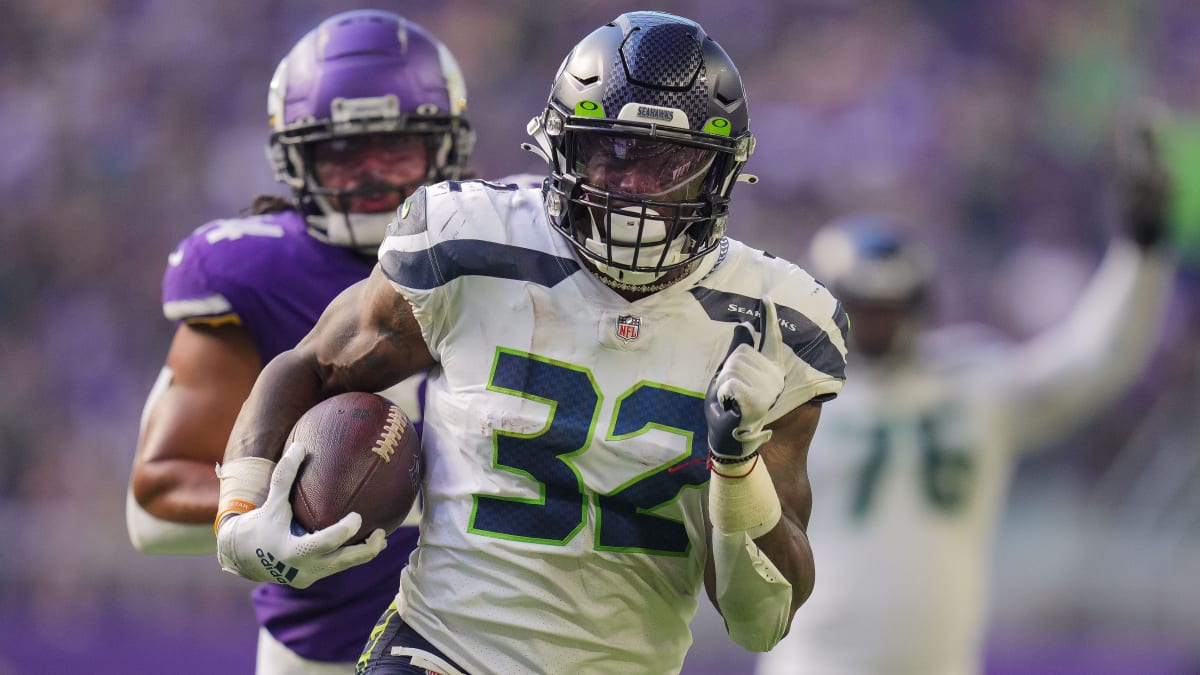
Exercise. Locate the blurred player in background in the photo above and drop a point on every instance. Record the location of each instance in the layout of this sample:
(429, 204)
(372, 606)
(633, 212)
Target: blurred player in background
(363, 110)
(595, 347)
(911, 467)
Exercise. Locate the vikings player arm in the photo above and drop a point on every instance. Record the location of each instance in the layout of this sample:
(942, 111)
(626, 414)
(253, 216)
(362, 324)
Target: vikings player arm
(1069, 372)
(210, 366)
(187, 418)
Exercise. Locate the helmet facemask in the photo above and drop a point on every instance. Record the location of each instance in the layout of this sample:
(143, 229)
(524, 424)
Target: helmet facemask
(328, 209)
(639, 200)
(640, 206)
(365, 74)
(645, 132)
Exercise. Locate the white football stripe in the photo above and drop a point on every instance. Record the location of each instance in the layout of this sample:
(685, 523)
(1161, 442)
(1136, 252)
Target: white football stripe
(176, 310)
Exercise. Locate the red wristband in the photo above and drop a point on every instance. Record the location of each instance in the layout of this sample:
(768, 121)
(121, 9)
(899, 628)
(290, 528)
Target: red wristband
(712, 467)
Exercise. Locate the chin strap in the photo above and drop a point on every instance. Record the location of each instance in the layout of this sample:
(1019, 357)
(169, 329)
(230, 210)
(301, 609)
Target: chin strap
(538, 132)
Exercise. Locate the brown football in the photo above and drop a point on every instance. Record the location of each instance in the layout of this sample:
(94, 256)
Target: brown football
(363, 456)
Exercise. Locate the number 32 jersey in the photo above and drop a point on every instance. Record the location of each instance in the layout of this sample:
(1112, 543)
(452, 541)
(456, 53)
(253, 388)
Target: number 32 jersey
(565, 485)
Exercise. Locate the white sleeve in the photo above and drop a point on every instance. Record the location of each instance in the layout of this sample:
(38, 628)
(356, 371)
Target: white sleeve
(153, 535)
(1062, 376)
(156, 536)
(813, 326)
(754, 596)
(412, 258)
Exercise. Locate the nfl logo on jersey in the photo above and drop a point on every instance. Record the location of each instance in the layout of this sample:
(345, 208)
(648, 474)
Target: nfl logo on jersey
(627, 327)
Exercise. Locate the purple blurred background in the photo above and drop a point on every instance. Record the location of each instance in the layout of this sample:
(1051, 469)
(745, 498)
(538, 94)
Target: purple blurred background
(124, 124)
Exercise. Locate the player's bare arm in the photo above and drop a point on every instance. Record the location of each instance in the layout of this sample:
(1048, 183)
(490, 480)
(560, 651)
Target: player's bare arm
(1081, 364)
(366, 340)
(786, 544)
(786, 457)
(209, 372)
(759, 498)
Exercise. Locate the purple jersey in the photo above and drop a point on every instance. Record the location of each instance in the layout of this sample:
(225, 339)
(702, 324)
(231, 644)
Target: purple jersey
(269, 275)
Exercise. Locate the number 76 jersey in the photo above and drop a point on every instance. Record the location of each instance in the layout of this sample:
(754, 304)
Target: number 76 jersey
(566, 491)
(909, 471)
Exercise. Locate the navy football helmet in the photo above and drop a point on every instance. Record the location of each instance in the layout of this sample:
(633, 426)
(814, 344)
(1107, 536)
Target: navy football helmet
(646, 131)
(364, 72)
(865, 258)
(882, 278)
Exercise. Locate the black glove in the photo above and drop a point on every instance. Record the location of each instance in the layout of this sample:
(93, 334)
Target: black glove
(1143, 183)
(745, 387)
(725, 416)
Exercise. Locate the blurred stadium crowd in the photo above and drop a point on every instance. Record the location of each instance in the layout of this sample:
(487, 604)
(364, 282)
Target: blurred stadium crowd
(126, 123)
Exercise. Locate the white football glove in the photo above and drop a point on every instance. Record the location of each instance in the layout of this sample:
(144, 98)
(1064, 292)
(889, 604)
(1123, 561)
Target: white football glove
(260, 545)
(744, 389)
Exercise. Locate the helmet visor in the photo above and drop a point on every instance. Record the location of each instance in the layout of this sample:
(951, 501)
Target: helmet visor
(640, 166)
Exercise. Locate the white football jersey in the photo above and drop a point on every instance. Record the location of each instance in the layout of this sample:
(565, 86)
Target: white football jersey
(565, 487)
(910, 467)
(908, 474)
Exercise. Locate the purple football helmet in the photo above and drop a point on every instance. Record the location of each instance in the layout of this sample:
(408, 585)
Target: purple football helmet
(364, 72)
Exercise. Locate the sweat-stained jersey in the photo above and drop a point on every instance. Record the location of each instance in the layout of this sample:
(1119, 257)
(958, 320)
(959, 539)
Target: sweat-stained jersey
(565, 484)
(269, 275)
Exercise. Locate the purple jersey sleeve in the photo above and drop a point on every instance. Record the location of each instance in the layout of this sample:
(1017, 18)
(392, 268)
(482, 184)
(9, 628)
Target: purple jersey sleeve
(265, 273)
(331, 620)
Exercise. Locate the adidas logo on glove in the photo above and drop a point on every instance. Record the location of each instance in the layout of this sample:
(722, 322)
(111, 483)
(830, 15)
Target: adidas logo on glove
(278, 569)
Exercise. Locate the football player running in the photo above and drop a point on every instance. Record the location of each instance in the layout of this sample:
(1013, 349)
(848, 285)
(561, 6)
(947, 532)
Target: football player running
(363, 109)
(620, 397)
(915, 460)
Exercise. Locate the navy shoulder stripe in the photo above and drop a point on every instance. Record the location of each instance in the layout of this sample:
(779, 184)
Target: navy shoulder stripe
(457, 185)
(410, 217)
(806, 339)
(449, 260)
(842, 319)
